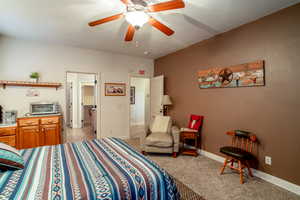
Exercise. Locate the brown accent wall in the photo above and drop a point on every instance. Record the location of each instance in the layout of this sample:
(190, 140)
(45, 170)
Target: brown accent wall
(272, 112)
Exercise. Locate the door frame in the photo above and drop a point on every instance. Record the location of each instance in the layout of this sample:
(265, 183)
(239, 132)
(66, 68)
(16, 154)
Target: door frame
(69, 111)
(97, 103)
(129, 105)
(81, 95)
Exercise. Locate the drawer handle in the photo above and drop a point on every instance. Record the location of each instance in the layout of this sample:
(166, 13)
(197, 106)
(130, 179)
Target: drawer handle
(29, 122)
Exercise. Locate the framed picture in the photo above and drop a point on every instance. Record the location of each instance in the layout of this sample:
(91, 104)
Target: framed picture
(132, 95)
(115, 89)
(243, 75)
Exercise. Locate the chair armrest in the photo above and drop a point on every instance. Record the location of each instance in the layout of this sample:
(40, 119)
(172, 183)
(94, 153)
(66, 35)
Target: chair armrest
(176, 138)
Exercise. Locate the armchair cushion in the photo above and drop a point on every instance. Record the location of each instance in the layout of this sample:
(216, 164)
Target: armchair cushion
(176, 138)
(159, 140)
(161, 124)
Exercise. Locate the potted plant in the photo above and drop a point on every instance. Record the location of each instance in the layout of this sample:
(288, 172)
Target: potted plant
(34, 77)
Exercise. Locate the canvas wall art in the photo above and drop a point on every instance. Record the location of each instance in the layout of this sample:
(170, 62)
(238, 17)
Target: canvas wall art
(243, 75)
(115, 89)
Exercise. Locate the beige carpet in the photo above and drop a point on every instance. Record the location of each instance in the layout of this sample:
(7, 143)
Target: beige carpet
(201, 174)
(186, 193)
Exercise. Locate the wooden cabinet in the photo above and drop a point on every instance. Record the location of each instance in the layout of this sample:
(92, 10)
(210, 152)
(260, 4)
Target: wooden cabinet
(28, 122)
(39, 131)
(28, 137)
(50, 120)
(49, 134)
(8, 135)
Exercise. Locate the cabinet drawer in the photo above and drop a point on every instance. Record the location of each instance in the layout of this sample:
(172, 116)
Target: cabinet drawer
(50, 120)
(9, 140)
(28, 122)
(33, 129)
(7, 131)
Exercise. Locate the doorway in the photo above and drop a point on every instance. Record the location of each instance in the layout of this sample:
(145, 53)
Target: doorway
(139, 105)
(81, 106)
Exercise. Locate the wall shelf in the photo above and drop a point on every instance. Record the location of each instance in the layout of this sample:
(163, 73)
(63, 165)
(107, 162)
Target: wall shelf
(29, 84)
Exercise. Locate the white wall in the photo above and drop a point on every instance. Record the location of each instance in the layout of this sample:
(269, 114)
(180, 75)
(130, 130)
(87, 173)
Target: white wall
(138, 110)
(18, 58)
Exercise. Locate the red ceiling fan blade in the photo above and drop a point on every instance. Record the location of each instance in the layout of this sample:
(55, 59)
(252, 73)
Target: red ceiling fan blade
(130, 33)
(163, 28)
(107, 19)
(125, 1)
(169, 5)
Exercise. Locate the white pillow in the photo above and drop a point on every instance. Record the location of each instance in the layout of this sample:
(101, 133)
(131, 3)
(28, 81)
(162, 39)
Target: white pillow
(160, 124)
(193, 123)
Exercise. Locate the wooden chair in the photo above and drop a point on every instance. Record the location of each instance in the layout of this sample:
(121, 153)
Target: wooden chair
(192, 133)
(240, 152)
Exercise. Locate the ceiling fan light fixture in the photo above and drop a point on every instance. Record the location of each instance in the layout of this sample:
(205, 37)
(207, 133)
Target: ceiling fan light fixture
(137, 18)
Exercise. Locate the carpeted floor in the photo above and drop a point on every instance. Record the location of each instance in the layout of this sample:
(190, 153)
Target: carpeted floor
(201, 174)
(187, 193)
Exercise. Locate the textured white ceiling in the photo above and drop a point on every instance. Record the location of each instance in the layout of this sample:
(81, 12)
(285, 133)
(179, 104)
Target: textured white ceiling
(65, 22)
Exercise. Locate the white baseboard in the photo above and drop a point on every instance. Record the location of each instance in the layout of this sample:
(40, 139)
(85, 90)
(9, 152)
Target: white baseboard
(277, 181)
(211, 156)
(138, 124)
(267, 177)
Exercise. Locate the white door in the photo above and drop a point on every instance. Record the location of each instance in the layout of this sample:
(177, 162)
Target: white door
(156, 95)
(147, 102)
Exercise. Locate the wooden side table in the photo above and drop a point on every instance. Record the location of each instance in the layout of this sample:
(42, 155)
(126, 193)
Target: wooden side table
(189, 136)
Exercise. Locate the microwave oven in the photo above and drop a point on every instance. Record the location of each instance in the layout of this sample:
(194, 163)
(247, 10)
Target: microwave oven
(43, 108)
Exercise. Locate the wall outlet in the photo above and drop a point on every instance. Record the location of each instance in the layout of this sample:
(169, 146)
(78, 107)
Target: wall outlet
(268, 160)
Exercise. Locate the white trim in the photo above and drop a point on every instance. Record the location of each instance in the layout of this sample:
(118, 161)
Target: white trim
(97, 103)
(267, 177)
(277, 181)
(211, 155)
(138, 124)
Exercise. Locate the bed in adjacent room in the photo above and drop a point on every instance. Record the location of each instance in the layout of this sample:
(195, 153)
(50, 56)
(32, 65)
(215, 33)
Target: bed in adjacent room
(98, 169)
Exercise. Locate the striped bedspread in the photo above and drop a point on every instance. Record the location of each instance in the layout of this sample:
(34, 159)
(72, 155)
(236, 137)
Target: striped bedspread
(97, 169)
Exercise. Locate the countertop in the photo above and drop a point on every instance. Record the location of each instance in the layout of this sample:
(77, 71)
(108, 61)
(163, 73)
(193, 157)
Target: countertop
(7, 125)
(48, 115)
(2, 125)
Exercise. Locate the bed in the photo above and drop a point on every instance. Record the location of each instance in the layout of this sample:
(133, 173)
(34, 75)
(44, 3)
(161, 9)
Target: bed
(97, 169)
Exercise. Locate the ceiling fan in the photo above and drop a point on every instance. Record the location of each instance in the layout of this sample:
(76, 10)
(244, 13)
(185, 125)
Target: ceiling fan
(136, 15)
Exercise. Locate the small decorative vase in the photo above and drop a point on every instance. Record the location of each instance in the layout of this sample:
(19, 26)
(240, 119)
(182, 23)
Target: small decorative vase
(34, 80)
